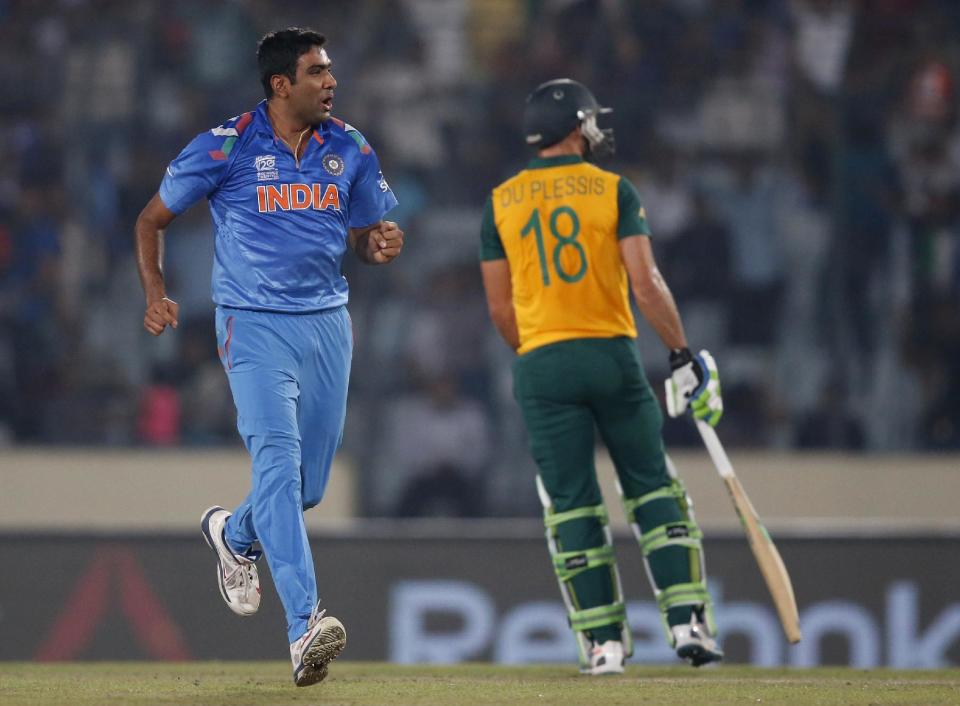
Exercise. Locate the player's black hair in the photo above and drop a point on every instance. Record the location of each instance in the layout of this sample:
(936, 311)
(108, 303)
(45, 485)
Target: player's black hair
(277, 53)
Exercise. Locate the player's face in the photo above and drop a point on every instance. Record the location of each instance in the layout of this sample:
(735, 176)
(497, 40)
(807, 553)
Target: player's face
(312, 94)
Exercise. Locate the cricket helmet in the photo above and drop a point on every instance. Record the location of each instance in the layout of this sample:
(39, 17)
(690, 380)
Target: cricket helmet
(556, 107)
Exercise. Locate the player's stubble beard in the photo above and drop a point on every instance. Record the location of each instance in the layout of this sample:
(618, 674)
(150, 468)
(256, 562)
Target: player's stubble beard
(318, 114)
(310, 110)
(318, 109)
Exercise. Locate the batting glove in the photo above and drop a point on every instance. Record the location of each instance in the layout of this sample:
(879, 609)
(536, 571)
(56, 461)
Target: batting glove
(694, 383)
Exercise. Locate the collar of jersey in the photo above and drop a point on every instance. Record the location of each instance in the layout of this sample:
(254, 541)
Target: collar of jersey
(264, 125)
(543, 162)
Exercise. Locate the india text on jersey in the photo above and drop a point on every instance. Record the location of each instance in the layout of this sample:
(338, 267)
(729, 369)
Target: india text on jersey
(297, 197)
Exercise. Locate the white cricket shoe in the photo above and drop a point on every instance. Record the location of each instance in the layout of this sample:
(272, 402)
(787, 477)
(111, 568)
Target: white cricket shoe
(313, 651)
(236, 574)
(694, 643)
(606, 658)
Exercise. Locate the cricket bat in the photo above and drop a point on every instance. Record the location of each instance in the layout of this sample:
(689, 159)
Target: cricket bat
(764, 550)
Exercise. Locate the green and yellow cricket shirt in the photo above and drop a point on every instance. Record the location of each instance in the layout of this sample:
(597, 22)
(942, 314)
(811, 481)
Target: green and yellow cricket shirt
(558, 223)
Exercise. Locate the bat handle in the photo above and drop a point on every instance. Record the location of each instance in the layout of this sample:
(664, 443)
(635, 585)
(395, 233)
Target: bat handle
(715, 449)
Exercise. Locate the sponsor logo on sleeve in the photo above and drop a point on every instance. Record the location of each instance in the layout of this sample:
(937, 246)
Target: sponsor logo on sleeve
(384, 187)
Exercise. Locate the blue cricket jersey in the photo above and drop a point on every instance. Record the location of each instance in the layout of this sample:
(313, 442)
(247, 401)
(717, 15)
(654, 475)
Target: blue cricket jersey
(281, 225)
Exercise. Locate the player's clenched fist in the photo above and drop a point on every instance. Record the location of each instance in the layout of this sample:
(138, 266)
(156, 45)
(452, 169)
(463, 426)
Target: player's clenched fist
(386, 242)
(160, 314)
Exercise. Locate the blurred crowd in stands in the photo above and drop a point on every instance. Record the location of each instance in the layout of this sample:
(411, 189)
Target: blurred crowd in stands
(799, 161)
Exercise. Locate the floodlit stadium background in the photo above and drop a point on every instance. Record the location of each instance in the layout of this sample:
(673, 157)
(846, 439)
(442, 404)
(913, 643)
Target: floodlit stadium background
(800, 165)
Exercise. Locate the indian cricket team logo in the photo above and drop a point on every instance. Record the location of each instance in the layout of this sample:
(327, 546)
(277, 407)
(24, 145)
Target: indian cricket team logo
(266, 166)
(333, 163)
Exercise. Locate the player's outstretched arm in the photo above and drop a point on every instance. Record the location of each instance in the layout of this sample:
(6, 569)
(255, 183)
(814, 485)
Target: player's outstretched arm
(160, 311)
(377, 244)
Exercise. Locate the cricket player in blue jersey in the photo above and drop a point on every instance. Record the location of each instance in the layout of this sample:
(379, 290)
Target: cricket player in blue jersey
(290, 188)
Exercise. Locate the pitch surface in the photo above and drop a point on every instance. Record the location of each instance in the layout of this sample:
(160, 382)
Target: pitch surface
(361, 683)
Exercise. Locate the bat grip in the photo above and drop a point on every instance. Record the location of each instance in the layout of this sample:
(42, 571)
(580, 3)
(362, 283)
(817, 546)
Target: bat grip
(715, 449)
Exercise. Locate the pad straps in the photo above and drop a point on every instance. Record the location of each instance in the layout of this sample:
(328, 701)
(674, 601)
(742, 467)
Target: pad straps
(570, 564)
(680, 533)
(683, 533)
(551, 518)
(675, 490)
(601, 615)
(679, 594)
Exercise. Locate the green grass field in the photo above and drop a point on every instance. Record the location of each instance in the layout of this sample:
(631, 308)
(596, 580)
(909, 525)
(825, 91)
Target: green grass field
(269, 684)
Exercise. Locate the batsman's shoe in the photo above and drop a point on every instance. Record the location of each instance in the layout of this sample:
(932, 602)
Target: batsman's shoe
(606, 658)
(694, 643)
(236, 574)
(312, 653)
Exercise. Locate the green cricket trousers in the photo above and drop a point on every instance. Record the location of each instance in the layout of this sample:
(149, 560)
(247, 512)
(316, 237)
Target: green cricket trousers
(567, 391)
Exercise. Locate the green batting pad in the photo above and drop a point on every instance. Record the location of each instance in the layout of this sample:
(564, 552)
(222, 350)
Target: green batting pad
(591, 587)
(669, 565)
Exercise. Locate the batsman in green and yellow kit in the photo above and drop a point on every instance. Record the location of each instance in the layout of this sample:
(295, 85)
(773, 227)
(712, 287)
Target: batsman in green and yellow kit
(563, 244)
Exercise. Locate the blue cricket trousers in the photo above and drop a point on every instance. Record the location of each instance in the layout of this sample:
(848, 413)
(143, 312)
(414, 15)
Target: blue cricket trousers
(288, 374)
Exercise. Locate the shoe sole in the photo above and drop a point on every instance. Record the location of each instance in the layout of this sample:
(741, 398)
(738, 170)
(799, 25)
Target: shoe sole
(312, 675)
(325, 648)
(698, 655)
(208, 538)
